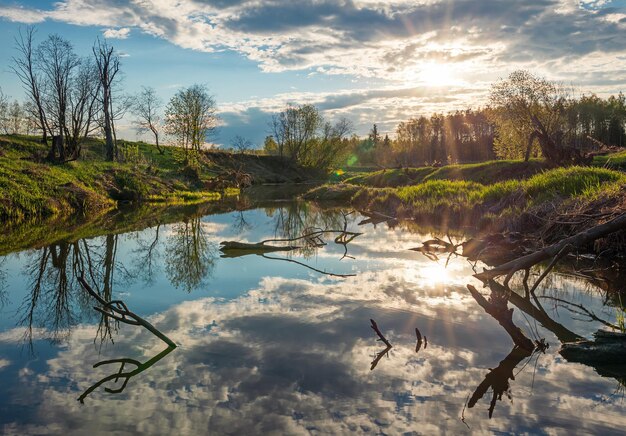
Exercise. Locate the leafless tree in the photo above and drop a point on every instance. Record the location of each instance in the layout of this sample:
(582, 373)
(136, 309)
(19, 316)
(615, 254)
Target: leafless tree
(82, 105)
(241, 144)
(108, 66)
(57, 61)
(24, 65)
(146, 110)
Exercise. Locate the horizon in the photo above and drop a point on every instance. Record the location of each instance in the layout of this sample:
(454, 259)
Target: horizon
(367, 60)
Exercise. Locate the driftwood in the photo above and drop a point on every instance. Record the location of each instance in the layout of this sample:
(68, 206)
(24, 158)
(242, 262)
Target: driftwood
(554, 251)
(418, 345)
(607, 348)
(377, 218)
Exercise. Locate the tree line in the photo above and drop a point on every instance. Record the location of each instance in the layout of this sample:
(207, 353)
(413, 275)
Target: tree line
(71, 97)
(528, 116)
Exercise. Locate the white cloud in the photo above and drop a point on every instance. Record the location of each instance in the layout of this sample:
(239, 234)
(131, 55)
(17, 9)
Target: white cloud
(121, 33)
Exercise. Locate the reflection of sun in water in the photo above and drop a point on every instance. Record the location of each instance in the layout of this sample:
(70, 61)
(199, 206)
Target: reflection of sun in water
(430, 274)
(434, 274)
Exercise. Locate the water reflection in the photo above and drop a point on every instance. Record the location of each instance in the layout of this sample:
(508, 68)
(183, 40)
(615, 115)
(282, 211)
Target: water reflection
(190, 255)
(268, 346)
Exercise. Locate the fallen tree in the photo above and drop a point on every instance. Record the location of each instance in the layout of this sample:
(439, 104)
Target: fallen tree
(555, 251)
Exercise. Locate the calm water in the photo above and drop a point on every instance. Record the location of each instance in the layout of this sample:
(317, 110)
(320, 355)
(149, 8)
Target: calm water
(266, 345)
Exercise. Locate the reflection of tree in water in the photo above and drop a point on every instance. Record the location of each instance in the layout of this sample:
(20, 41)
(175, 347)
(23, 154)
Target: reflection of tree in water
(146, 255)
(297, 218)
(190, 255)
(56, 302)
(3, 285)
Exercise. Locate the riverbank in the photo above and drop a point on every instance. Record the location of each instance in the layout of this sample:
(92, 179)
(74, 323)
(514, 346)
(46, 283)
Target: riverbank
(32, 188)
(546, 206)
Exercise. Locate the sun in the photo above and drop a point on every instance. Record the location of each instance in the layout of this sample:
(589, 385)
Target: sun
(432, 74)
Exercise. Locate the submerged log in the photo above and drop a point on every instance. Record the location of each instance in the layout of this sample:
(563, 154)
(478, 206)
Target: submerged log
(607, 348)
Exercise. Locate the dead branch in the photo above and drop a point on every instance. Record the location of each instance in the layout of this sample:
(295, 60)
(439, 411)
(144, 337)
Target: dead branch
(576, 241)
(382, 338)
(379, 333)
(118, 311)
(307, 266)
(418, 346)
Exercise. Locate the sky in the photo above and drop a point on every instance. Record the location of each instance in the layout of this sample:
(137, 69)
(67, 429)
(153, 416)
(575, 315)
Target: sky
(371, 61)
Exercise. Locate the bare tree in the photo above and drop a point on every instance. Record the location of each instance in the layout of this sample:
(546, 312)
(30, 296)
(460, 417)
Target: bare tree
(108, 66)
(57, 62)
(146, 107)
(241, 144)
(82, 105)
(24, 65)
(303, 136)
(4, 113)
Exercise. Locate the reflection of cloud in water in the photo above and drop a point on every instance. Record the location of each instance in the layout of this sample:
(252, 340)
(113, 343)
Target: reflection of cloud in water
(293, 356)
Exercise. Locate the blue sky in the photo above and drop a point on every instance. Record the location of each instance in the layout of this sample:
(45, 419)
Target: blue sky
(380, 61)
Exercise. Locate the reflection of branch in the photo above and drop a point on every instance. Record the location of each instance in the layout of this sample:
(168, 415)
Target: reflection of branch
(118, 311)
(498, 379)
(497, 307)
(382, 338)
(126, 376)
(579, 309)
(379, 356)
(307, 266)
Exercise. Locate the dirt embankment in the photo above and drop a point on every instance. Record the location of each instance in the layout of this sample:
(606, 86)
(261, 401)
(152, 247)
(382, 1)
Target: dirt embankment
(264, 169)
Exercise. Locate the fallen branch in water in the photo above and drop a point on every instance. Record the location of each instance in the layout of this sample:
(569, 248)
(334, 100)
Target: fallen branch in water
(418, 346)
(525, 262)
(379, 333)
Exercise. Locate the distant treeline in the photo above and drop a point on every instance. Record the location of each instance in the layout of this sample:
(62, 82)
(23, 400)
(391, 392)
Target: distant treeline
(590, 122)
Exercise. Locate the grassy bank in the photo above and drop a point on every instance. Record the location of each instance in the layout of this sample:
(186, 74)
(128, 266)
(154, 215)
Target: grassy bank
(30, 187)
(499, 205)
(483, 172)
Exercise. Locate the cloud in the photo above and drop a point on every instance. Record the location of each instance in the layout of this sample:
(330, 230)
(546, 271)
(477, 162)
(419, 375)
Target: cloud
(398, 44)
(121, 33)
(366, 38)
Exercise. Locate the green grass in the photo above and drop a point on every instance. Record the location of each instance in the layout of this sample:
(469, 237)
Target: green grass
(30, 187)
(614, 161)
(462, 197)
(483, 172)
